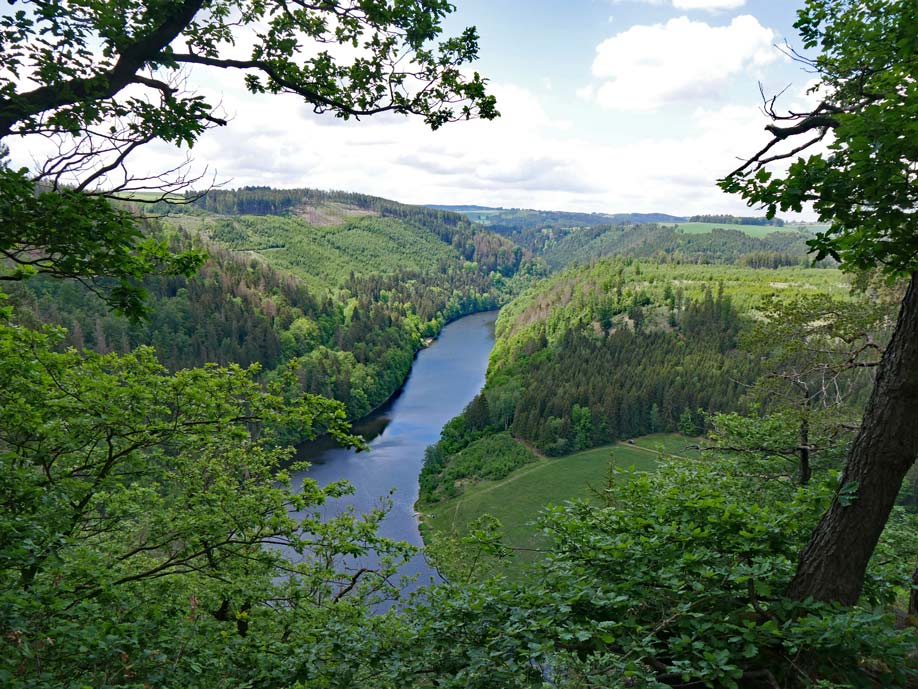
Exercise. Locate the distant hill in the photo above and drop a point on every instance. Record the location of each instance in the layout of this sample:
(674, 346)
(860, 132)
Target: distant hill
(560, 248)
(646, 217)
(342, 286)
(520, 218)
(461, 208)
(562, 238)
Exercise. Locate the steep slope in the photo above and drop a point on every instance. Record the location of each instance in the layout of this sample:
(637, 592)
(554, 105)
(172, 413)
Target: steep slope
(613, 350)
(324, 237)
(671, 244)
(565, 238)
(342, 287)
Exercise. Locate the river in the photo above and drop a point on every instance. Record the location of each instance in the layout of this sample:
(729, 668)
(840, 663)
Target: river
(444, 379)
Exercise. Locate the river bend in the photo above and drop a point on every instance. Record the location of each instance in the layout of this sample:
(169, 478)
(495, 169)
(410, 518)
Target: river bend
(444, 379)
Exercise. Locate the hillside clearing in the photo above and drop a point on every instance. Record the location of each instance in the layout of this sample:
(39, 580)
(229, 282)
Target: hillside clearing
(751, 230)
(517, 499)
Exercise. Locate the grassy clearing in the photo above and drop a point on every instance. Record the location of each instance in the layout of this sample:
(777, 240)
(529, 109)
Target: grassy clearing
(517, 499)
(668, 443)
(751, 230)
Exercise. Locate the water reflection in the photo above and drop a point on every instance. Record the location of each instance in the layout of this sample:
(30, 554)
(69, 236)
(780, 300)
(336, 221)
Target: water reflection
(444, 379)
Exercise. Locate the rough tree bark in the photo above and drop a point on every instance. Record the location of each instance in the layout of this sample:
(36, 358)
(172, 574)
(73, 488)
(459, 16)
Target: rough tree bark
(805, 472)
(913, 599)
(833, 565)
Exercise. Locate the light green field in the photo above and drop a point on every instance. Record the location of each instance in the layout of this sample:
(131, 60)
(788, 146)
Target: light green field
(751, 230)
(481, 216)
(324, 256)
(517, 499)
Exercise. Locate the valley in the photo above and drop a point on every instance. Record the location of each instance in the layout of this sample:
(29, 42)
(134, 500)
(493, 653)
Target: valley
(606, 333)
(347, 304)
(631, 403)
(539, 409)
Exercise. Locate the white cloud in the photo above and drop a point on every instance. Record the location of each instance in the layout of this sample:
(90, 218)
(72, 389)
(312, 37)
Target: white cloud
(524, 159)
(527, 158)
(647, 67)
(708, 5)
(585, 92)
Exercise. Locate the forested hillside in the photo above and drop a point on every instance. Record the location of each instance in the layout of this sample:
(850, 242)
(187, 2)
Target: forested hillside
(156, 528)
(566, 238)
(343, 287)
(508, 221)
(618, 349)
(563, 238)
(666, 243)
(324, 236)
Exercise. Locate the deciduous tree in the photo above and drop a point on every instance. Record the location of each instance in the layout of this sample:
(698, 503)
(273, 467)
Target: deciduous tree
(865, 185)
(103, 79)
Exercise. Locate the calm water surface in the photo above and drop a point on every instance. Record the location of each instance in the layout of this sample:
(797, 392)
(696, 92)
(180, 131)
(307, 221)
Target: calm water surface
(444, 379)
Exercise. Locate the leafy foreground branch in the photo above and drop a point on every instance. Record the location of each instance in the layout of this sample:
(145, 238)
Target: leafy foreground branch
(69, 234)
(149, 537)
(677, 581)
(100, 80)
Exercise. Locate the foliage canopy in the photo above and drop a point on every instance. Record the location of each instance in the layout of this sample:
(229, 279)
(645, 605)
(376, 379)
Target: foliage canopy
(102, 79)
(866, 183)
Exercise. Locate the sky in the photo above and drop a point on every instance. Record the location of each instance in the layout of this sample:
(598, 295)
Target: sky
(607, 106)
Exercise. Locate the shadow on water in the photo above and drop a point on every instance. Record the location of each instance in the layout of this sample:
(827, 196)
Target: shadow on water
(369, 429)
(444, 379)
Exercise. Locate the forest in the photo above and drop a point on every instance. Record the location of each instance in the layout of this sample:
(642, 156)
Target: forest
(664, 243)
(346, 305)
(625, 348)
(737, 220)
(163, 347)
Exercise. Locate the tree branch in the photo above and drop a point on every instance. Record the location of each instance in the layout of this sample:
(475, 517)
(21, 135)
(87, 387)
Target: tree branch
(272, 72)
(106, 84)
(820, 118)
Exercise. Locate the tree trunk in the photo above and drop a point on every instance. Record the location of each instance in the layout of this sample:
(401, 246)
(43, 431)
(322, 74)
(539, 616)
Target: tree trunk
(913, 598)
(833, 564)
(805, 472)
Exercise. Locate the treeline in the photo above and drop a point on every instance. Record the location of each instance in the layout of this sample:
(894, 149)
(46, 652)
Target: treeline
(391, 222)
(235, 309)
(246, 201)
(737, 220)
(254, 200)
(647, 368)
(435, 298)
(591, 389)
(510, 221)
(562, 247)
(720, 246)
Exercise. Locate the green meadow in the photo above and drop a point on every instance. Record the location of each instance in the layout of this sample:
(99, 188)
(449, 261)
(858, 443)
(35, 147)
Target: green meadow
(517, 499)
(751, 230)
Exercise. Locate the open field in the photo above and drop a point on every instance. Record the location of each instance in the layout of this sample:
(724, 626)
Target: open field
(517, 499)
(751, 230)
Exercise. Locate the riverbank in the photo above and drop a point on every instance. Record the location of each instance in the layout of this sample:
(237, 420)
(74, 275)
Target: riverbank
(443, 380)
(372, 424)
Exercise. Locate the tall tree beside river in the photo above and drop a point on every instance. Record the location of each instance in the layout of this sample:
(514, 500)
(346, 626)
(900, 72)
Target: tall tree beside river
(865, 186)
